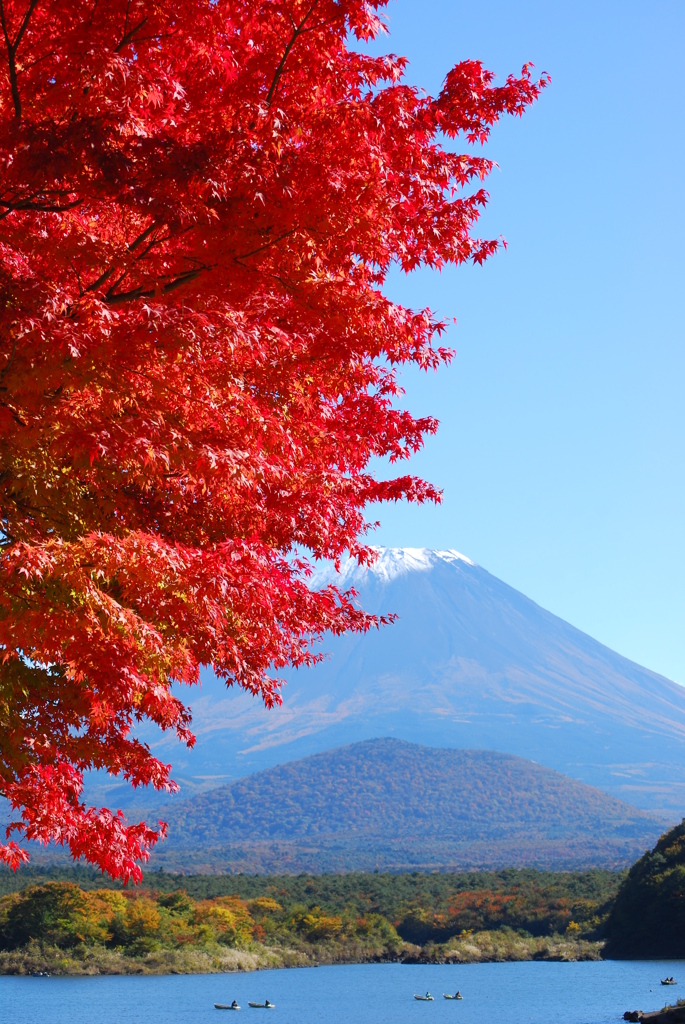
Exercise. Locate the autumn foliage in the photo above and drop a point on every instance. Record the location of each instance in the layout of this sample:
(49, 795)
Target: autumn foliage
(63, 915)
(200, 203)
(298, 918)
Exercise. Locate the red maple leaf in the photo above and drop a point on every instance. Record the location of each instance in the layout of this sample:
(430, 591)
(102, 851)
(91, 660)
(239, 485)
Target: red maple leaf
(199, 206)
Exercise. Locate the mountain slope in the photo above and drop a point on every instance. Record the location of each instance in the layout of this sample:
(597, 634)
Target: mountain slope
(399, 806)
(471, 662)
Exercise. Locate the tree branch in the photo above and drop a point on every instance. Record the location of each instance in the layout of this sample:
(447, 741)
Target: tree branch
(117, 298)
(29, 11)
(141, 237)
(184, 278)
(131, 246)
(279, 70)
(100, 280)
(113, 298)
(37, 206)
(12, 51)
(267, 245)
(128, 36)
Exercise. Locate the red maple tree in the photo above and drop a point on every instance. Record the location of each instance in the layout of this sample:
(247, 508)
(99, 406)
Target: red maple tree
(200, 203)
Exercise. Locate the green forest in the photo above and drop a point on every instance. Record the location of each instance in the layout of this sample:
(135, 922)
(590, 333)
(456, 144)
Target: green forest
(73, 921)
(647, 918)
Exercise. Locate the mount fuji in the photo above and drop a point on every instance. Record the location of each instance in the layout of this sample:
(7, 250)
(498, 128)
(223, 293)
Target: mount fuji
(470, 663)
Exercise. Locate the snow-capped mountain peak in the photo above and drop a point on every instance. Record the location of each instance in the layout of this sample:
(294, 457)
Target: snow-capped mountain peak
(469, 662)
(390, 563)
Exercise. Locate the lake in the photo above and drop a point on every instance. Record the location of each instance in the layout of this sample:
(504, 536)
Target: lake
(520, 993)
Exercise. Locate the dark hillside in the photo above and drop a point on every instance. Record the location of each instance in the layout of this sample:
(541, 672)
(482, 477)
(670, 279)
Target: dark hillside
(398, 806)
(648, 917)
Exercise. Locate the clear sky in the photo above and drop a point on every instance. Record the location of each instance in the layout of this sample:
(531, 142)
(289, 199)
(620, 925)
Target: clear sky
(561, 447)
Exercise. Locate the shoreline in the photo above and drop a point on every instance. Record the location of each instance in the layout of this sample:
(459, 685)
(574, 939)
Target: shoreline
(671, 1014)
(90, 961)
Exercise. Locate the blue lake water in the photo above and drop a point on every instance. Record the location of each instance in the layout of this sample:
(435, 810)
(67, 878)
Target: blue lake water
(522, 993)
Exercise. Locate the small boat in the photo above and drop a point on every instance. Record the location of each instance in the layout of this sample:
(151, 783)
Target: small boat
(428, 998)
(266, 1005)
(227, 1006)
(457, 995)
(668, 981)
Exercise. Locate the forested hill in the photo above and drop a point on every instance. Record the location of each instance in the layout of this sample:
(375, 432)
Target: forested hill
(398, 806)
(648, 917)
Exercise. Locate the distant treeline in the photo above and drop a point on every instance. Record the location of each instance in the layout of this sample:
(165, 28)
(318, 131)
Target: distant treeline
(343, 916)
(74, 920)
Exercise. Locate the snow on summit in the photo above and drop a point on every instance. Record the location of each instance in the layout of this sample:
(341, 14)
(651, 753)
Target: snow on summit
(391, 563)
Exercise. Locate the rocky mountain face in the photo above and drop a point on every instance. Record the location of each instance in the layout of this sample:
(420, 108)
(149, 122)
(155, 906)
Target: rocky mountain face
(470, 663)
(395, 806)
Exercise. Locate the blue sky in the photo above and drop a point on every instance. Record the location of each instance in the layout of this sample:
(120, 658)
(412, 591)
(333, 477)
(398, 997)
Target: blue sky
(562, 418)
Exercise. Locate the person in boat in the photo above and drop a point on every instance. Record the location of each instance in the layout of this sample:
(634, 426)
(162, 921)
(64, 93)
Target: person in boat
(234, 1003)
(457, 994)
